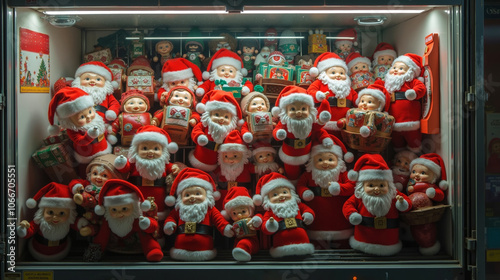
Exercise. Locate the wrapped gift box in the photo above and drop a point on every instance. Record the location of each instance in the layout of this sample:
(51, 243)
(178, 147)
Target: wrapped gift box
(317, 43)
(57, 162)
(121, 151)
(280, 72)
(176, 123)
(103, 56)
(143, 83)
(55, 139)
(261, 125)
(302, 76)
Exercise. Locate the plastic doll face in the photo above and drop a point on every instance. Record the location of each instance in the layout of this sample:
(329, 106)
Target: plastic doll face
(359, 67)
(150, 150)
(92, 80)
(232, 157)
(258, 104)
(184, 83)
(376, 187)
(399, 68)
(420, 173)
(368, 103)
(248, 50)
(99, 175)
(403, 163)
(279, 195)
(223, 44)
(164, 48)
(83, 117)
(336, 73)
(121, 211)
(193, 48)
(325, 161)
(226, 71)
(181, 98)
(264, 157)
(193, 195)
(221, 117)
(345, 47)
(55, 215)
(298, 110)
(240, 212)
(135, 105)
(385, 59)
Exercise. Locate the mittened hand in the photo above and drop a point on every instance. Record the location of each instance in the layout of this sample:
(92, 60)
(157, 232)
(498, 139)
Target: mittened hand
(401, 203)
(324, 117)
(202, 140)
(430, 192)
(320, 96)
(281, 134)
(255, 222)
(308, 218)
(110, 115)
(334, 188)
(410, 94)
(120, 162)
(308, 195)
(144, 222)
(355, 219)
(228, 231)
(272, 225)
(93, 132)
(169, 228)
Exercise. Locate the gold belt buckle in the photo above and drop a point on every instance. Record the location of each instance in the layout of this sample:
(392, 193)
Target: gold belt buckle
(147, 183)
(231, 184)
(325, 193)
(299, 144)
(393, 97)
(53, 243)
(380, 222)
(99, 139)
(290, 223)
(216, 147)
(190, 228)
(341, 102)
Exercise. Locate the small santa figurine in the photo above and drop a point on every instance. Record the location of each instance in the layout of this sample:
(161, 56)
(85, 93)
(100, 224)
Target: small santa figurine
(285, 217)
(344, 46)
(401, 169)
(406, 91)
(149, 164)
(221, 114)
(383, 56)
(177, 97)
(122, 204)
(258, 124)
(359, 71)
(249, 48)
(55, 216)
(194, 216)
(225, 69)
(325, 188)
(264, 156)
(334, 85)
(262, 56)
(374, 208)
(179, 72)
(238, 206)
(96, 79)
(297, 128)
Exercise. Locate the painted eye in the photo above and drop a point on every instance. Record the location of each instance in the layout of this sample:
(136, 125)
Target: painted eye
(292, 109)
(275, 194)
(371, 185)
(243, 212)
(423, 173)
(381, 185)
(113, 210)
(216, 114)
(124, 209)
(82, 117)
(226, 117)
(144, 148)
(186, 195)
(198, 193)
(320, 160)
(95, 173)
(98, 79)
(51, 212)
(303, 108)
(156, 148)
(285, 192)
(413, 172)
(330, 159)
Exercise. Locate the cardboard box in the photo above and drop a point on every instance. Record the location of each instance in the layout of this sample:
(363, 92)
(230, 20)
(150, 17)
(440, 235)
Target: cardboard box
(280, 73)
(317, 43)
(57, 162)
(103, 56)
(302, 76)
(176, 123)
(261, 125)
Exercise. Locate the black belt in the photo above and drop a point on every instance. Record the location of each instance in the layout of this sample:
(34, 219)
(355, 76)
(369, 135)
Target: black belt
(400, 95)
(282, 225)
(96, 140)
(223, 185)
(44, 241)
(333, 102)
(297, 143)
(100, 108)
(318, 191)
(211, 145)
(137, 180)
(380, 222)
(195, 228)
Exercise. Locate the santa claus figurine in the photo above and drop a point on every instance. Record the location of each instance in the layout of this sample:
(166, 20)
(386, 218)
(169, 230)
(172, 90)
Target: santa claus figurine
(220, 115)
(359, 71)
(344, 45)
(285, 217)
(334, 85)
(122, 204)
(194, 216)
(149, 164)
(406, 91)
(55, 216)
(401, 169)
(297, 128)
(179, 72)
(383, 56)
(258, 120)
(225, 70)
(374, 208)
(96, 79)
(238, 206)
(325, 188)
(264, 156)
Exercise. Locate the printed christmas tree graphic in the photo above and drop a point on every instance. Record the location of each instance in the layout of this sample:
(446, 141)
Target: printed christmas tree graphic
(42, 75)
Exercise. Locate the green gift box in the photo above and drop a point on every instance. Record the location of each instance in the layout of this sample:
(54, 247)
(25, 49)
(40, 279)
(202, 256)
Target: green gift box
(236, 91)
(57, 162)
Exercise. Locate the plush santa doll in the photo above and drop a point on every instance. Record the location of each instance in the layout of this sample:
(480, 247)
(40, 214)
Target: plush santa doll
(179, 72)
(359, 71)
(75, 111)
(176, 97)
(194, 216)
(122, 204)
(401, 169)
(55, 216)
(221, 114)
(334, 85)
(383, 56)
(374, 208)
(238, 206)
(149, 164)
(344, 46)
(406, 90)
(258, 124)
(264, 156)
(225, 69)
(297, 128)
(96, 79)
(285, 217)
(325, 188)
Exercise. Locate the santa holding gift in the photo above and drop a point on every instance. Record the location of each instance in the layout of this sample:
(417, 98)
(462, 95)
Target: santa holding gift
(179, 72)
(194, 216)
(259, 122)
(374, 208)
(55, 216)
(383, 56)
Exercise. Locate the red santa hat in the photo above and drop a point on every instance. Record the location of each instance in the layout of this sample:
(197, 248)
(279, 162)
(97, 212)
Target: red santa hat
(277, 57)
(380, 93)
(217, 100)
(269, 182)
(338, 148)
(233, 143)
(225, 57)
(354, 58)
(436, 164)
(235, 197)
(326, 61)
(133, 93)
(117, 192)
(169, 95)
(118, 63)
(289, 95)
(155, 134)
(140, 63)
(180, 69)
(52, 195)
(413, 61)
(65, 103)
(190, 177)
(261, 146)
(370, 167)
(383, 49)
(347, 36)
(95, 67)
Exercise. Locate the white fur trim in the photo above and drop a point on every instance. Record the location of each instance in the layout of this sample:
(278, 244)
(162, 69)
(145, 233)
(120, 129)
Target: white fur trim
(200, 92)
(263, 149)
(185, 255)
(348, 157)
(145, 205)
(233, 148)
(239, 201)
(358, 60)
(189, 182)
(172, 147)
(292, 250)
(334, 188)
(375, 174)
(205, 75)
(331, 62)
(435, 168)
(307, 195)
(241, 255)
(410, 94)
(384, 52)
(118, 200)
(31, 203)
(110, 115)
(150, 136)
(101, 71)
(53, 130)
(218, 105)
(330, 235)
(402, 206)
(296, 97)
(70, 108)
(318, 149)
(257, 200)
(82, 159)
(173, 76)
(364, 131)
(56, 202)
(331, 126)
(276, 111)
(170, 200)
(375, 249)
(406, 60)
(226, 60)
(443, 185)
(49, 258)
(352, 175)
(407, 126)
(74, 189)
(375, 93)
(82, 222)
(276, 183)
(247, 137)
(313, 72)
(112, 139)
(430, 251)
(293, 160)
(99, 210)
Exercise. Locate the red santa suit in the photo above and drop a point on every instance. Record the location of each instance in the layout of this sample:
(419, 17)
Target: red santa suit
(243, 180)
(435, 164)
(158, 116)
(86, 148)
(422, 187)
(203, 157)
(108, 104)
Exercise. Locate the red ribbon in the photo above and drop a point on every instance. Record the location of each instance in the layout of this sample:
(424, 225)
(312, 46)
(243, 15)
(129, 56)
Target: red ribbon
(258, 118)
(174, 111)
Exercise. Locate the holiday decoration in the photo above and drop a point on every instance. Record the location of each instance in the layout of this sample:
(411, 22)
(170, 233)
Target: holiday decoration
(271, 40)
(262, 56)
(374, 208)
(194, 48)
(179, 72)
(34, 61)
(249, 48)
(140, 76)
(226, 42)
(264, 156)
(56, 139)
(359, 71)
(317, 41)
(401, 169)
(163, 54)
(118, 67)
(302, 67)
(288, 45)
(101, 55)
(344, 45)
(383, 56)
(258, 120)
(57, 161)
(62, 83)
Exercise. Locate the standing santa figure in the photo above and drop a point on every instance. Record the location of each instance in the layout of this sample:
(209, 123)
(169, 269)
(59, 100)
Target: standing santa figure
(179, 72)
(374, 208)
(383, 56)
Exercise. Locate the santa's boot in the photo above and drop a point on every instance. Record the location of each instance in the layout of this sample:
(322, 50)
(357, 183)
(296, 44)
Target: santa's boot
(426, 237)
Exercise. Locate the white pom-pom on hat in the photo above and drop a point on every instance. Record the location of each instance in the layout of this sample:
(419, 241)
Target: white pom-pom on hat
(364, 131)
(170, 200)
(53, 130)
(216, 195)
(352, 175)
(276, 111)
(146, 205)
(205, 75)
(257, 200)
(200, 108)
(99, 210)
(313, 72)
(31, 203)
(443, 185)
(115, 84)
(172, 147)
(348, 157)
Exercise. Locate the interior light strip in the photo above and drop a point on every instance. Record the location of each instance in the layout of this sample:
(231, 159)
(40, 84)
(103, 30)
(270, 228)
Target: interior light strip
(176, 38)
(340, 38)
(269, 37)
(326, 11)
(134, 12)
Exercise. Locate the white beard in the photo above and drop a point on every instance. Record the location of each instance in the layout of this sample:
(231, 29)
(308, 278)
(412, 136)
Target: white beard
(263, 167)
(196, 212)
(287, 209)
(191, 85)
(217, 131)
(150, 169)
(377, 206)
(54, 232)
(339, 88)
(232, 171)
(394, 82)
(97, 93)
(215, 77)
(98, 122)
(323, 178)
(300, 128)
(123, 226)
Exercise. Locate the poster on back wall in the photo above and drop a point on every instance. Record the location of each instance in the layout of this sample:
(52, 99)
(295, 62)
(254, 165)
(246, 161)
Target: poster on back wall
(34, 61)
